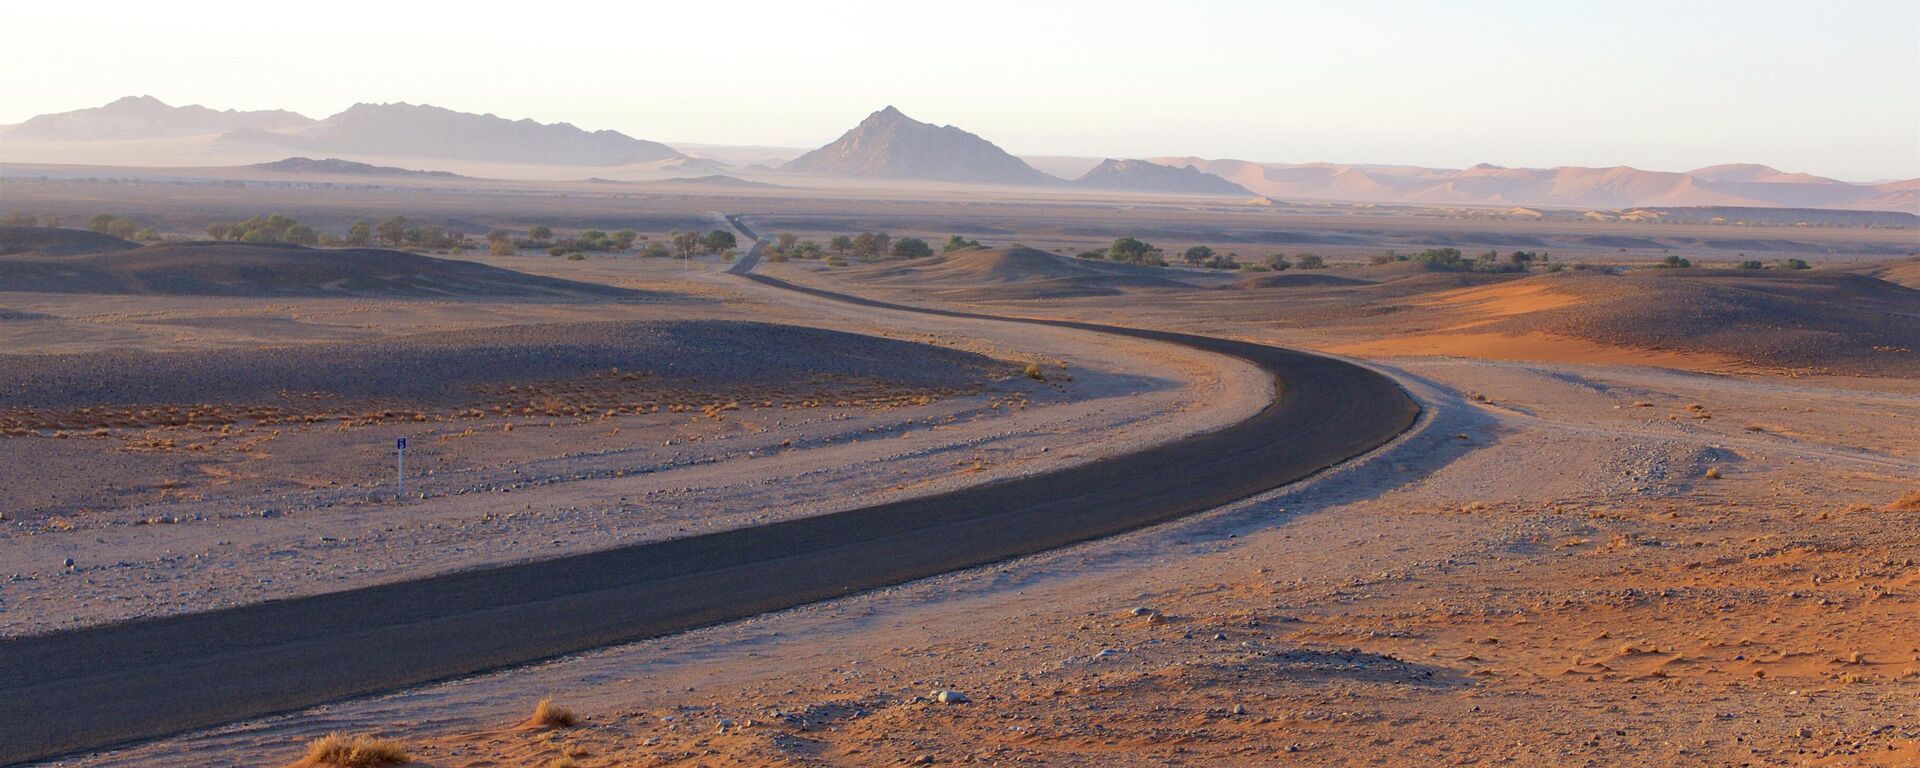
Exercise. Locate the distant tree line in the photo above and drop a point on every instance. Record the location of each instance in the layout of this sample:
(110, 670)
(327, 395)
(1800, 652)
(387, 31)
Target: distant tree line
(866, 246)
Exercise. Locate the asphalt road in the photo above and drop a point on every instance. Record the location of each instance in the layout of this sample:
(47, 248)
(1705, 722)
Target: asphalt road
(96, 687)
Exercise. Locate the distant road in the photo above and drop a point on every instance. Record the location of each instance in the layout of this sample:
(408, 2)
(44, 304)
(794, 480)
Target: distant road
(91, 688)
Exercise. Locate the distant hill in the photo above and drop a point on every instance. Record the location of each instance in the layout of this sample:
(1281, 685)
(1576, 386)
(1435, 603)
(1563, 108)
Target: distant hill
(720, 180)
(890, 145)
(1743, 185)
(1144, 176)
(56, 241)
(420, 130)
(334, 165)
(145, 117)
(247, 269)
(996, 274)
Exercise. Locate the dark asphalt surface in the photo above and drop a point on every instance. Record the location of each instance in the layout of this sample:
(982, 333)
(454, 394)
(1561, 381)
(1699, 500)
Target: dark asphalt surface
(92, 688)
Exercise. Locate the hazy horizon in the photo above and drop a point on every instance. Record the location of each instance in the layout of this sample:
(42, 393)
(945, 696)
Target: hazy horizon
(1828, 91)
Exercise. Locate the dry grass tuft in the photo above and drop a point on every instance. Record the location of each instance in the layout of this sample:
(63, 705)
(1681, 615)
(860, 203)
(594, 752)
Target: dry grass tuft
(1907, 503)
(547, 714)
(339, 750)
(1034, 372)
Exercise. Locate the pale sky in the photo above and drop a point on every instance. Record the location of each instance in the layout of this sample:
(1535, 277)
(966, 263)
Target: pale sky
(1831, 88)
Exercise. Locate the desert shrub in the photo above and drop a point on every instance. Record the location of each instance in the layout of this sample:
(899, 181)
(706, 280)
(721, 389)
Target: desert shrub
(1311, 261)
(1675, 262)
(957, 242)
(556, 251)
(576, 256)
(1034, 372)
(776, 256)
(18, 219)
(339, 750)
(1278, 262)
(836, 262)
(1795, 264)
(502, 248)
(1555, 267)
(1091, 255)
(1255, 268)
(1750, 264)
(547, 714)
(656, 251)
(147, 233)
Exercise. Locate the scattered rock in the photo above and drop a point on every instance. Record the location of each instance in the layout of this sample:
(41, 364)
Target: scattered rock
(949, 697)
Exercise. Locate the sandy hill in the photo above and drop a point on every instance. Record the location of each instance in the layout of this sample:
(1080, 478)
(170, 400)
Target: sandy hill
(1903, 272)
(1745, 185)
(420, 130)
(334, 165)
(986, 274)
(145, 117)
(890, 145)
(1144, 176)
(54, 241)
(1816, 320)
(246, 269)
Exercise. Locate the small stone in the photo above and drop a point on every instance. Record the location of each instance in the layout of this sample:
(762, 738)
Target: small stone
(1239, 709)
(949, 697)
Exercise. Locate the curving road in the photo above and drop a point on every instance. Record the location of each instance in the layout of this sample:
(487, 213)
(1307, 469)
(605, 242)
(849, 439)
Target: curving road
(95, 687)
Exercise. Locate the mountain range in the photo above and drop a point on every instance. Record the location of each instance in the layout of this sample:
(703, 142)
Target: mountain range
(368, 130)
(892, 146)
(145, 117)
(1742, 185)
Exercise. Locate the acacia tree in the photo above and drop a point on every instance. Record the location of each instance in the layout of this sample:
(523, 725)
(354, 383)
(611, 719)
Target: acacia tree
(868, 246)
(394, 231)
(686, 244)
(1128, 250)
(840, 244)
(360, 234)
(1198, 254)
(911, 248)
(717, 241)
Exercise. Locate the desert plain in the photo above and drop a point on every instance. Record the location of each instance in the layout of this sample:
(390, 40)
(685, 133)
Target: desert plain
(1648, 514)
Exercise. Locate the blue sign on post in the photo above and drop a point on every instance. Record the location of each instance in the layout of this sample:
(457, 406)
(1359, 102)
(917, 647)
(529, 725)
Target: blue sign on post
(399, 468)
(400, 444)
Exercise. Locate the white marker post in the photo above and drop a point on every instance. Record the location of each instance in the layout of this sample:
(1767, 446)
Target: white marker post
(400, 468)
